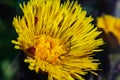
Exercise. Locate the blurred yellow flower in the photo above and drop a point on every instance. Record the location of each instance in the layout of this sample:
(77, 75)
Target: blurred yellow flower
(57, 38)
(110, 24)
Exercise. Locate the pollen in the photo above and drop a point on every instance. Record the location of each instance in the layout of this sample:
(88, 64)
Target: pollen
(48, 49)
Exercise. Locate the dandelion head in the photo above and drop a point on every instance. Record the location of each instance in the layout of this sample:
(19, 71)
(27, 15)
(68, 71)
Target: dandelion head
(57, 38)
(110, 24)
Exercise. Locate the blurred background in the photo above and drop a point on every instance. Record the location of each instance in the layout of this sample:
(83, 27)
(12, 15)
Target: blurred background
(110, 57)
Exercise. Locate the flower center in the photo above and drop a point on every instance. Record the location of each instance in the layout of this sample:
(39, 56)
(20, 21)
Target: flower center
(48, 49)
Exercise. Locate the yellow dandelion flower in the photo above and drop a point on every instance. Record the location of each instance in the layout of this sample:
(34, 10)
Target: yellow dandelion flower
(57, 38)
(110, 24)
